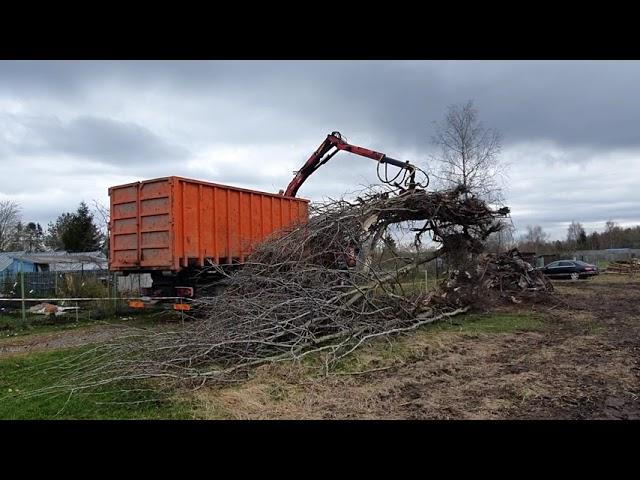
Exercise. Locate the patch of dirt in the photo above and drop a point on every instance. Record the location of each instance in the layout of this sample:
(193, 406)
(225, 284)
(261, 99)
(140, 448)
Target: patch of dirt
(583, 365)
(61, 339)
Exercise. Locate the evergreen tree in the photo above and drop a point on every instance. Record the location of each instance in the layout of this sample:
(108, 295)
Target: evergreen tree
(34, 237)
(53, 238)
(75, 232)
(582, 240)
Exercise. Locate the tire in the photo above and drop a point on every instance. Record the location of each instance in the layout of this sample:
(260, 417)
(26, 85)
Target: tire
(575, 276)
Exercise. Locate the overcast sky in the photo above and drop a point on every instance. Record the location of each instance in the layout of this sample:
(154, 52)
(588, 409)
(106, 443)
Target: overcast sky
(69, 130)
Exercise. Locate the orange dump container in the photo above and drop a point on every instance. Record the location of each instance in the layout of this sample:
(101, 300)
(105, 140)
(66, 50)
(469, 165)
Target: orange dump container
(172, 223)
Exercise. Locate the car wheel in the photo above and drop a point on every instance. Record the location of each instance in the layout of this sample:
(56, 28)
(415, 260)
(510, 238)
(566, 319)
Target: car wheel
(575, 276)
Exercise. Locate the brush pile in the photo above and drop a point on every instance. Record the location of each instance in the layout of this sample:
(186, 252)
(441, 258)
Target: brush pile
(509, 273)
(506, 275)
(320, 287)
(625, 267)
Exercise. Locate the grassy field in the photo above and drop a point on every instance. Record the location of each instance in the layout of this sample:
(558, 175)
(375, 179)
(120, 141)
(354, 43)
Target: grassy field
(21, 375)
(25, 373)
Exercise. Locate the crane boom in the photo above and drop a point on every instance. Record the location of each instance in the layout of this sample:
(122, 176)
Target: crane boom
(328, 148)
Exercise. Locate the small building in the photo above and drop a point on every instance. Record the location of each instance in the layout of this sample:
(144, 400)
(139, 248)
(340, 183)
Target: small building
(545, 259)
(60, 261)
(14, 262)
(631, 252)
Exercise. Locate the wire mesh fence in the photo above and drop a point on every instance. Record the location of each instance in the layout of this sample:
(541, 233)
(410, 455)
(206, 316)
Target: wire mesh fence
(93, 283)
(36, 298)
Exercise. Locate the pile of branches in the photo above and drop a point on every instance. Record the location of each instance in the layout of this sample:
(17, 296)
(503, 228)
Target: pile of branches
(506, 275)
(625, 267)
(299, 292)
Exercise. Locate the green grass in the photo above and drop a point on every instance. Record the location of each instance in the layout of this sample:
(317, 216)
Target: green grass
(23, 374)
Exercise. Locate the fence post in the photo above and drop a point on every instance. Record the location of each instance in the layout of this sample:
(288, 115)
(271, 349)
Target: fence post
(115, 293)
(24, 312)
(426, 279)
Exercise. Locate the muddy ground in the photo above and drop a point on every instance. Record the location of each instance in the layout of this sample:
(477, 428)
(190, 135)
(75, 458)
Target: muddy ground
(66, 335)
(54, 340)
(582, 364)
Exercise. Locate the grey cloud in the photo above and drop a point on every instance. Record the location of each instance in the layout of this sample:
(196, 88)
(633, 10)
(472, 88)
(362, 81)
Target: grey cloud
(571, 102)
(90, 137)
(576, 103)
(137, 120)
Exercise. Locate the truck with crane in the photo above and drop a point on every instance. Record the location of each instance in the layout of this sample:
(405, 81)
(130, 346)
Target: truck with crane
(176, 228)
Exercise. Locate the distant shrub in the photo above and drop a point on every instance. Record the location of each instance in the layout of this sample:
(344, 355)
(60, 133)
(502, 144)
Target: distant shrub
(75, 285)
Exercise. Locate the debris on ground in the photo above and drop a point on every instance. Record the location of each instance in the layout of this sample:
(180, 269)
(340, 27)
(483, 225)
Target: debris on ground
(506, 275)
(625, 267)
(50, 309)
(44, 309)
(508, 272)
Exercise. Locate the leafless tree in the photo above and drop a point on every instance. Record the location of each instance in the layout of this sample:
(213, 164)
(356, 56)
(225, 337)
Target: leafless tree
(534, 238)
(9, 218)
(101, 214)
(502, 240)
(576, 235)
(469, 153)
(611, 233)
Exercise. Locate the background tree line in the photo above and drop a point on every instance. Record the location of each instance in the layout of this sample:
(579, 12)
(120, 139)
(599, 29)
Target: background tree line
(613, 236)
(77, 231)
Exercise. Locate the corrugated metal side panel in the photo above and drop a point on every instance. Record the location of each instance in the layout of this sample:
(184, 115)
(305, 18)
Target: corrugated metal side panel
(141, 225)
(123, 245)
(219, 224)
(154, 221)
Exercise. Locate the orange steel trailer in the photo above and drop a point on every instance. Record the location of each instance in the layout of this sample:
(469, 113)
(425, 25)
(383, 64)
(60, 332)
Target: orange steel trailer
(174, 224)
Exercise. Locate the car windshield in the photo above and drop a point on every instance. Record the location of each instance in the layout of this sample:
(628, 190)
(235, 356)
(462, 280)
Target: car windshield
(580, 262)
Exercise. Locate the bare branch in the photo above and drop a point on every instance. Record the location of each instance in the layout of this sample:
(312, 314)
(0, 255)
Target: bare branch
(468, 153)
(9, 219)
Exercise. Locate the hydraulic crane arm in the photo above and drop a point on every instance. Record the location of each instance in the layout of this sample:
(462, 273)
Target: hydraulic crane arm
(332, 145)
